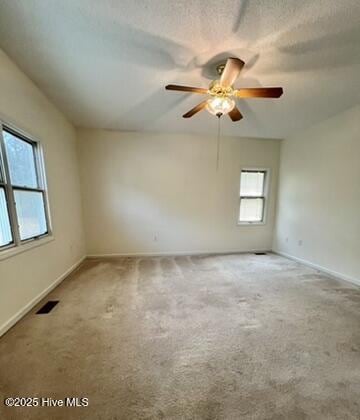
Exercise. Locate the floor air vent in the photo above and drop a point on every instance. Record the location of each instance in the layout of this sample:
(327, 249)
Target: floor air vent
(48, 307)
(260, 253)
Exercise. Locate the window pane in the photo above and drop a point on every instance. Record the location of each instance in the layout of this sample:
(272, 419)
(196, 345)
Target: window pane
(21, 160)
(31, 213)
(251, 209)
(5, 230)
(252, 183)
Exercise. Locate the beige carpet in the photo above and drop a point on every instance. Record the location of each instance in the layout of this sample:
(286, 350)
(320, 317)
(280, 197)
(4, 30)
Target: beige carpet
(213, 337)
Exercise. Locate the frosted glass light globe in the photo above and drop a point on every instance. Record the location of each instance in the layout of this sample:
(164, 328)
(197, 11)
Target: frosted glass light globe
(219, 105)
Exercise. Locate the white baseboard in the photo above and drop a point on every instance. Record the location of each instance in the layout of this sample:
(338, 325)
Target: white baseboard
(175, 253)
(23, 311)
(325, 270)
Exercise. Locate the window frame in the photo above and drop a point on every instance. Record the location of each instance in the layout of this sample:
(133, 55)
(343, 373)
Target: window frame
(264, 196)
(19, 245)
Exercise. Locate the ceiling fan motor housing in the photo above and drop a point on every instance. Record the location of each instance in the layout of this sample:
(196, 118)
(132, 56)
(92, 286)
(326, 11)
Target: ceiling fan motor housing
(216, 89)
(220, 68)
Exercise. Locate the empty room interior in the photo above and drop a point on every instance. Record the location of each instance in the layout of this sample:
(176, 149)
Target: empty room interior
(180, 209)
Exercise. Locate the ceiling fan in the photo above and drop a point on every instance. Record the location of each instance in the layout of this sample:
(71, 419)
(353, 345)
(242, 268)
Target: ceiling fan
(222, 92)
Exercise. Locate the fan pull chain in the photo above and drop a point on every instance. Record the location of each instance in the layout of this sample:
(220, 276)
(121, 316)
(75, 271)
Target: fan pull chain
(218, 143)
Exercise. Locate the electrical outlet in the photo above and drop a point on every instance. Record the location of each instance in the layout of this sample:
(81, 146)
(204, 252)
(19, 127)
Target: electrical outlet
(300, 242)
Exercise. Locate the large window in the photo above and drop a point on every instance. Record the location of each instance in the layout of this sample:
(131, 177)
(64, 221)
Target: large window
(23, 201)
(252, 196)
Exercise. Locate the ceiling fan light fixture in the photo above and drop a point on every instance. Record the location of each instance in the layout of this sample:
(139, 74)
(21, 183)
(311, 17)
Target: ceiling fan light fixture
(222, 92)
(219, 105)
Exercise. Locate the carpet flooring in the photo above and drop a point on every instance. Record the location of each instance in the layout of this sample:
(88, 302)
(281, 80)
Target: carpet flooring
(193, 338)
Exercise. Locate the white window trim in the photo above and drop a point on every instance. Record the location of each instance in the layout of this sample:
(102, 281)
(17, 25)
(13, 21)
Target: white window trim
(8, 252)
(266, 196)
(18, 246)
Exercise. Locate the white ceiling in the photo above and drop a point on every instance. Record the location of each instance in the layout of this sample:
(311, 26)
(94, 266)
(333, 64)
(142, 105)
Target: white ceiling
(105, 63)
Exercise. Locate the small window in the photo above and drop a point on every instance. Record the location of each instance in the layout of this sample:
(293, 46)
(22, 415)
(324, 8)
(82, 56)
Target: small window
(252, 196)
(23, 199)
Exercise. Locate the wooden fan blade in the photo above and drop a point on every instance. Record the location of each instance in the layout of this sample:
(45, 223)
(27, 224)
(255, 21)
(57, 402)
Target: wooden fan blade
(231, 71)
(270, 92)
(186, 89)
(235, 114)
(196, 109)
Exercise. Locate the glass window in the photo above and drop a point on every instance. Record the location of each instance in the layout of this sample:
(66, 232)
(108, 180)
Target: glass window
(252, 184)
(31, 213)
(252, 196)
(251, 210)
(21, 160)
(23, 202)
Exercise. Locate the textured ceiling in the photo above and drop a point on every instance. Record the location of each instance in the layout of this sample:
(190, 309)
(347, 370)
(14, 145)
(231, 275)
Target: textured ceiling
(105, 63)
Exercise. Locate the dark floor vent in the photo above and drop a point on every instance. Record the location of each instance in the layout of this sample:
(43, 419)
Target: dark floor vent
(49, 305)
(260, 253)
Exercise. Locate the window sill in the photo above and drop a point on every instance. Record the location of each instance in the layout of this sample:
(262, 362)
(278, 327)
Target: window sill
(251, 223)
(11, 252)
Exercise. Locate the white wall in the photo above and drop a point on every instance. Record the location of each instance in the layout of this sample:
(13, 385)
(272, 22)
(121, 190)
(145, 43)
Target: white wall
(319, 195)
(24, 276)
(161, 193)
